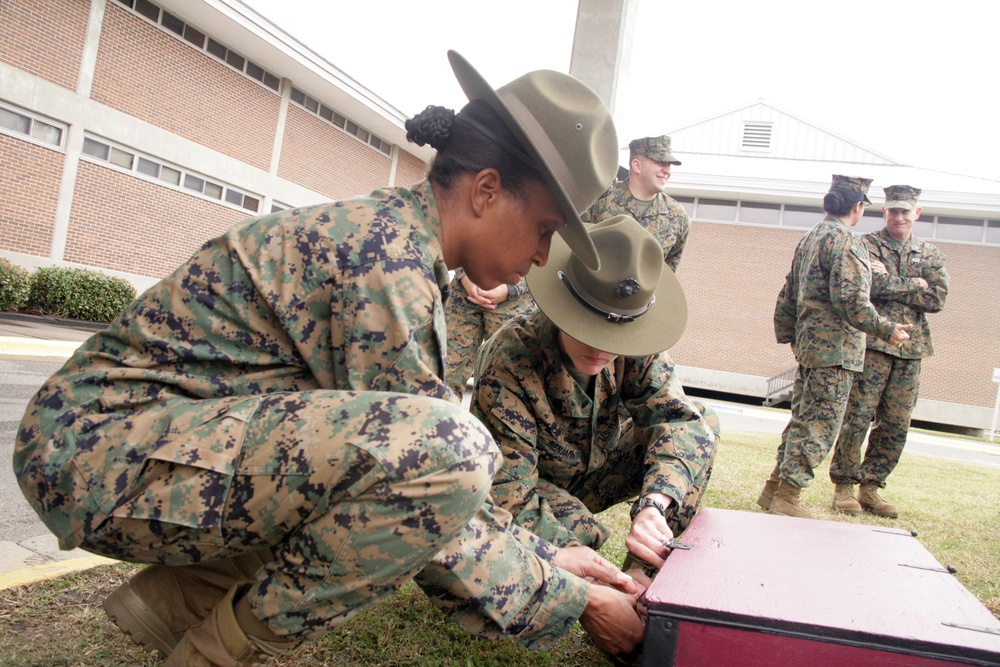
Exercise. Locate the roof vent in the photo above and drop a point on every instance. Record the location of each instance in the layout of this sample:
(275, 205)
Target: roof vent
(756, 136)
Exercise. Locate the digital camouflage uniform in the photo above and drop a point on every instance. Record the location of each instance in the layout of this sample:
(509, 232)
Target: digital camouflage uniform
(887, 388)
(470, 324)
(282, 388)
(665, 219)
(568, 455)
(824, 311)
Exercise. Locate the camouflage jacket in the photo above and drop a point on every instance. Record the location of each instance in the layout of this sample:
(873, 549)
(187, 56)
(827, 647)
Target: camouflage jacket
(551, 433)
(897, 295)
(665, 218)
(823, 307)
(344, 296)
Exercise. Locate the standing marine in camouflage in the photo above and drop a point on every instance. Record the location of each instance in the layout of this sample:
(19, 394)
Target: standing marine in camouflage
(473, 315)
(823, 310)
(642, 197)
(268, 426)
(585, 405)
(915, 283)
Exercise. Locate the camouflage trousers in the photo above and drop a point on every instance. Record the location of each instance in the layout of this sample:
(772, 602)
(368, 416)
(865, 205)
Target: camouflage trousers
(887, 391)
(469, 326)
(819, 400)
(620, 479)
(355, 492)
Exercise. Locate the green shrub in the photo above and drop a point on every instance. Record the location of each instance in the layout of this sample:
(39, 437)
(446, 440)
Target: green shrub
(15, 285)
(79, 294)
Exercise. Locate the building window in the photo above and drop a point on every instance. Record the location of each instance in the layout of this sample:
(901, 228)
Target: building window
(718, 210)
(317, 108)
(150, 168)
(687, 203)
(871, 221)
(202, 42)
(760, 214)
(26, 125)
(959, 229)
(801, 216)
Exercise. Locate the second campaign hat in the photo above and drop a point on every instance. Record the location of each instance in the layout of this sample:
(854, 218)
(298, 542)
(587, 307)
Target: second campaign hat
(901, 196)
(566, 129)
(632, 306)
(656, 149)
(852, 186)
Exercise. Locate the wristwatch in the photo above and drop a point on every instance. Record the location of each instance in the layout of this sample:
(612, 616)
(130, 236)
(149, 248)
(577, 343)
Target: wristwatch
(644, 502)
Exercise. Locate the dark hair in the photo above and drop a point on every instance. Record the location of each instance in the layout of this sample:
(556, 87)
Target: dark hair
(474, 139)
(840, 202)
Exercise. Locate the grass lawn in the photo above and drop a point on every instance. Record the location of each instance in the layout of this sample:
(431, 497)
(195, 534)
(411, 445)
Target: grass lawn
(954, 507)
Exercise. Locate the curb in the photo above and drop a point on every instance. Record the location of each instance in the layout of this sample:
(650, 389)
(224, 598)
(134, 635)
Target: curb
(27, 347)
(36, 573)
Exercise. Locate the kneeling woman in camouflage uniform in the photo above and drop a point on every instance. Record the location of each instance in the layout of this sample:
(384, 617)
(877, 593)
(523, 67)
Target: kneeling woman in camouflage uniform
(584, 402)
(268, 425)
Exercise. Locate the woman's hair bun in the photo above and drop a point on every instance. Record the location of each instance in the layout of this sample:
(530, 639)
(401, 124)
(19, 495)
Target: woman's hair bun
(431, 126)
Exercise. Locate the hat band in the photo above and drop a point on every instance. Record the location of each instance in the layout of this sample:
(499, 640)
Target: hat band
(498, 140)
(623, 317)
(546, 149)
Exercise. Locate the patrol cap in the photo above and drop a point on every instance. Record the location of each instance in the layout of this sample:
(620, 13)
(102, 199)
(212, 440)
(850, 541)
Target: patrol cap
(656, 149)
(567, 131)
(633, 306)
(852, 186)
(901, 196)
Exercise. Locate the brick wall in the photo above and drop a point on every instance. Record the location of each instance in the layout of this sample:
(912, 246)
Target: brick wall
(29, 183)
(410, 169)
(148, 74)
(125, 223)
(322, 158)
(45, 39)
(732, 275)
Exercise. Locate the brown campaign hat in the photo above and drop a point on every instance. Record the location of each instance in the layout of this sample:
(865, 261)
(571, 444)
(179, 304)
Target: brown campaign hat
(565, 128)
(632, 306)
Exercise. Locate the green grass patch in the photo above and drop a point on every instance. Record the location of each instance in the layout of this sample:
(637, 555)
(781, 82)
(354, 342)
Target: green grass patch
(954, 508)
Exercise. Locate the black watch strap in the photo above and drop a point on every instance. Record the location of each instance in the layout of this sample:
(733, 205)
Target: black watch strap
(643, 503)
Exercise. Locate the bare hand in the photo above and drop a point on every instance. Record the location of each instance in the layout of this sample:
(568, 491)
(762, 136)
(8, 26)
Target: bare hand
(485, 298)
(612, 622)
(586, 563)
(900, 334)
(923, 283)
(649, 532)
(878, 266)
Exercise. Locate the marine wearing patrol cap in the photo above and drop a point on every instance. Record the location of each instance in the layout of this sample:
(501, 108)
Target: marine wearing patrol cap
(656, 149)
(852, 185)
(901, 196)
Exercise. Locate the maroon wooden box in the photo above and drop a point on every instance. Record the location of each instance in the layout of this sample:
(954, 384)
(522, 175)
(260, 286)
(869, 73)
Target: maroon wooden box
(757, 589)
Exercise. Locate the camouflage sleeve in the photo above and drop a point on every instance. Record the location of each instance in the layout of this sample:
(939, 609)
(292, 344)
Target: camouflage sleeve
(850, 285)
(932, 299)
(673, 256)
(785, 313)
(509, 415)
(497, 581)
(390, 333)
(681, 441)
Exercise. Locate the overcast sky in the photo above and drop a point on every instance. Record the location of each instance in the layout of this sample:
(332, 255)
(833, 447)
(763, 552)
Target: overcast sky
(916, 81)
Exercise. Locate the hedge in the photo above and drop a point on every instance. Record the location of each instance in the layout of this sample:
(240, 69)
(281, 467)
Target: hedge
(78, 294)
(15, 285)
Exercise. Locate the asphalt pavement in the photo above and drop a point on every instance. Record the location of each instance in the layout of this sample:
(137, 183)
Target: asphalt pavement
(32, 348)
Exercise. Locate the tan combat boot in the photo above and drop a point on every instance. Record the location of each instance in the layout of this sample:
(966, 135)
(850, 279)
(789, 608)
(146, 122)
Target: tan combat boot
(873, 502)
(231, 636)
(770, 486)
(786, 501)
(162, 602)
(844, 500)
